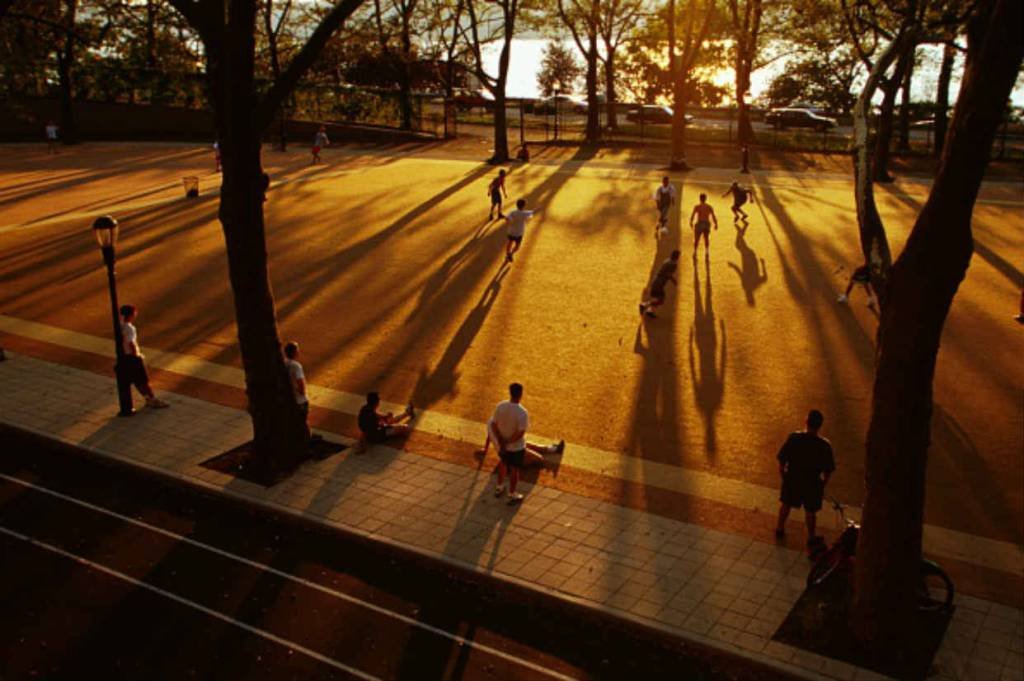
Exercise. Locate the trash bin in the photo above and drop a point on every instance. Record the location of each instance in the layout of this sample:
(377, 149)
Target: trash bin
(191, 186)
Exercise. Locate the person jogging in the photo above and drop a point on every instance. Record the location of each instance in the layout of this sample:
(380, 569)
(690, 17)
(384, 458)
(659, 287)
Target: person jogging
(861, 276)
(665, 274)
(507, 427)
(700, 222)
(806, 463)
(319, 142)
(664, 199)
(739, 197)
(135, 362)
(516, 221)
(496, 190)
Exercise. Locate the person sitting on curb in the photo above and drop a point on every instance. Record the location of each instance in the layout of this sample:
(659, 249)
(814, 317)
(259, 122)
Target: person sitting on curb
(376, 427)
(806, 463)
(507, 427)
(135, 362)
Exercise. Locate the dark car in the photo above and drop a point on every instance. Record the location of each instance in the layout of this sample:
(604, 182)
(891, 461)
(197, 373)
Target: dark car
(654, 114)
(798, 118)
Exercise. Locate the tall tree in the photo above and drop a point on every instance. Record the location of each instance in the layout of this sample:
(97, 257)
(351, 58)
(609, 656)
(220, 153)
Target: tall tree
(560, 69)
(582, 18)
(683, 56)
(227, 29)
(942, 94)
(745, 24)
(906, 104)
(616, 23)
(918, 297)
(396, 22)
(494, 20)
(272, 33)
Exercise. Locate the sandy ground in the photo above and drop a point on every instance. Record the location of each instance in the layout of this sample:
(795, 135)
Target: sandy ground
(387, 271)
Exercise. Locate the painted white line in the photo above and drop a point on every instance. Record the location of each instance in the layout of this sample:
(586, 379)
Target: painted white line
(290, 577)
(192, 604)
(938, 541)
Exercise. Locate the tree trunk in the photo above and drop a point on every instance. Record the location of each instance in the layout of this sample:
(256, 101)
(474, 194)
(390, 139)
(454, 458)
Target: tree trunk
(883, 135)
(65, 66)
(942, 96)
(679, 94)
(500, 126)
(908, 76)
(278, 425)
(921, 290)
(593, 130)
(609, 89)
(744, 128)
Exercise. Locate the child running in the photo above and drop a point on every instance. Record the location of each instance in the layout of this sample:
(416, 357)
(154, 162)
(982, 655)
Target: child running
(739, 197)
(703, 214)
(319, 142)
(495, 190)
(665, 274)
(516, 228)
(861, 276)
(664, 199)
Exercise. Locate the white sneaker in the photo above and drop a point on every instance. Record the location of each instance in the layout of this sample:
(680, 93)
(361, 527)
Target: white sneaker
(842, 299)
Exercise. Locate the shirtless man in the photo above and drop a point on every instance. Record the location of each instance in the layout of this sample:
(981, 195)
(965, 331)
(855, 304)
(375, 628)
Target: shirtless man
(703, 215)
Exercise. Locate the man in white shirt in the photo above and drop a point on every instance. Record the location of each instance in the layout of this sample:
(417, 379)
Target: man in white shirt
(516, 221)
(664, 199)
(298, 379)
(507, 427)
(51, 137)
(134, 362)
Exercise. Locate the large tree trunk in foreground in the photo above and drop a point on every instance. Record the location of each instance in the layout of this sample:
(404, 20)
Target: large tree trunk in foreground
(65, 66)
(942, 96)
(278, 425)
(924, 280)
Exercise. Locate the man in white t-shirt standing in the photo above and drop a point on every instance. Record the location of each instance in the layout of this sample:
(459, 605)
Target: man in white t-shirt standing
(664, 199)
(51, 137)
(134, 362)
(507, 428)
(298, 379)
(516, 220)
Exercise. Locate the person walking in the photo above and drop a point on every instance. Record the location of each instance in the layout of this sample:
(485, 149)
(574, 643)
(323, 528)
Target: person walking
(507, 427)
(739, 197)
(298, 380)
(665, 274)
(320, 141)
(52, 132)
(135, 362)
(862, 276)
(700, 222)
(516, 221)
(664, 199)
(806, 463)
(496, 190)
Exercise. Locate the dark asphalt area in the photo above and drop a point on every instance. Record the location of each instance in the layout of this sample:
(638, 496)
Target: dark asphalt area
(148, 604)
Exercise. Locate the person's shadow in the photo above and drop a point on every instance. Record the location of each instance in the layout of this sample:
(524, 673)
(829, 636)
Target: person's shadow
(751, 270)
(709, 380)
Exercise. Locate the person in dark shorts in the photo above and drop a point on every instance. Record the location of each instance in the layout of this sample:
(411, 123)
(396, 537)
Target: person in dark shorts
(297, 377)
(507, 427)
(665, 274)
(496, 190)
(700, 222)
(664, 199)
(739, 197)
(861, 276)
(805, 463)
(134, 361)
(377, 427)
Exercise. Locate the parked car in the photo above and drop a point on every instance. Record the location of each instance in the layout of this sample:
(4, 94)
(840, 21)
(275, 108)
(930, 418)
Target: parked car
(798, 118)
(564, 104)
(654, 114)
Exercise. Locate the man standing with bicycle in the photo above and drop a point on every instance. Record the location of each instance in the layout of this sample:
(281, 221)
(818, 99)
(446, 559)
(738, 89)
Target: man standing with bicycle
(805, 464)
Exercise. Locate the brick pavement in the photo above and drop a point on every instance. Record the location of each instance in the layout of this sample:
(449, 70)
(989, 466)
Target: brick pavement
(712, 587)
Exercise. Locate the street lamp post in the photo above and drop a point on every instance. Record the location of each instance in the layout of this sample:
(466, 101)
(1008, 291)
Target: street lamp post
(105, 231)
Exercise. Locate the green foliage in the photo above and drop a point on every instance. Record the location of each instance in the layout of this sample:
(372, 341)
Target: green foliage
(560, 69)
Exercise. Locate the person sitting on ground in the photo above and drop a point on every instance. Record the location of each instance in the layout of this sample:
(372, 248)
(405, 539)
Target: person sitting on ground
(806, 463)
(377, 427)
(135, 362)
(507, 427)
(861, 276)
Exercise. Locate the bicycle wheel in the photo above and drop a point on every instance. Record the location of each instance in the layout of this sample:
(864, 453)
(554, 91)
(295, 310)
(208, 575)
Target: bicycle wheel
(825, 566)
(936, 590)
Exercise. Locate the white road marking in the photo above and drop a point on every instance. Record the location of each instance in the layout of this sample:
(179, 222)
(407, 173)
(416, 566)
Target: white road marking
(938, 541)
(191, 604)
(290, 577)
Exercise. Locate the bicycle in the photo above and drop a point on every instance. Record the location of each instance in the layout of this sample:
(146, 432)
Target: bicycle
(935, 592)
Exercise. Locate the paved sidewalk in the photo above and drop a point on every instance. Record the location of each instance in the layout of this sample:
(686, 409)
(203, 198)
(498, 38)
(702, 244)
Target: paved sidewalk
(712, 587)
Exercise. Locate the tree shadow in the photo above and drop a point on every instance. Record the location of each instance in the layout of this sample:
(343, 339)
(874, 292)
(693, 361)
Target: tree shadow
(751, 275)
(709, 381)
